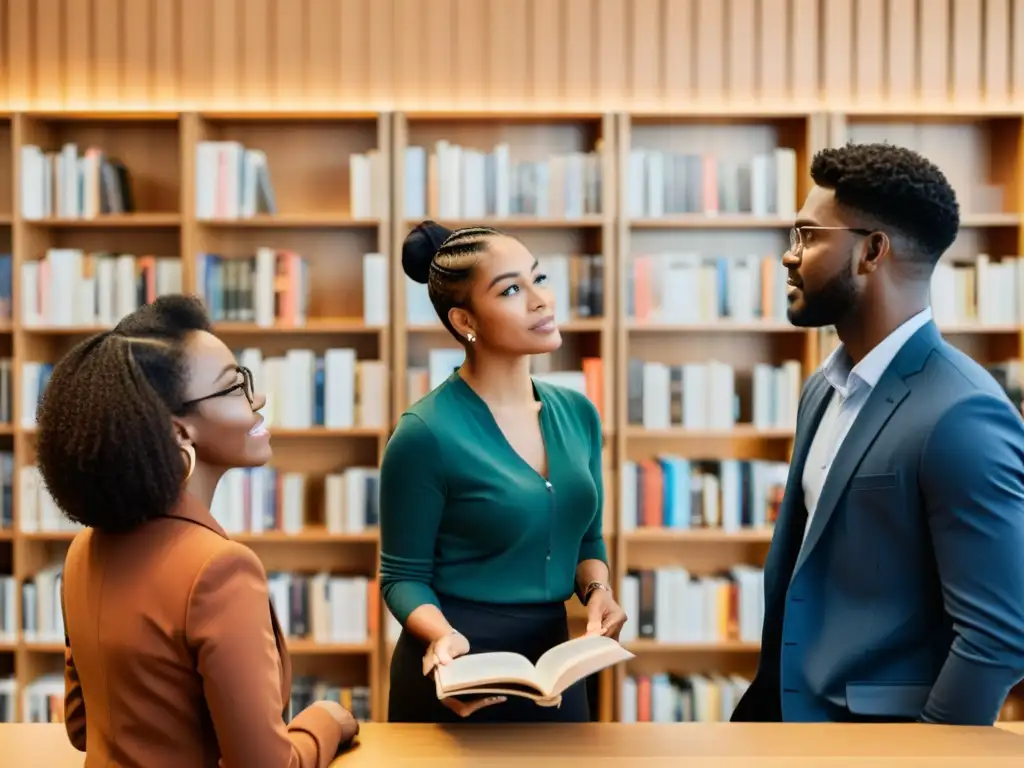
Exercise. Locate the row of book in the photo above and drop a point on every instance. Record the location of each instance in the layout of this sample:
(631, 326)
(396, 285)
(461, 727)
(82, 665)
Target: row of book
(986, 292)
(664, 183)
(673, 605)
(670, 698)
(6, 490)
(704, 395)
(666, 492)
(42, 700)
(324, 607)
(71, 183)
(234, 181)
(442, 361)
(678, 494)
(691, 289)
(273, 287)
(450, 181)
(710, 697)
(42, 620)
(256, 500)
(303, 389)
(575, 280)
(8, 609)
(6, 287)
(37, 511)
(263, 500)
(694, 288)
(68, 287)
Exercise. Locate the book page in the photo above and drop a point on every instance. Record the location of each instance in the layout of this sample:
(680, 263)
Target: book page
(573, 660)
(475, 668)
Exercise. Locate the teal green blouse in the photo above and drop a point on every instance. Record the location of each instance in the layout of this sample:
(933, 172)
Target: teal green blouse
(464, 515)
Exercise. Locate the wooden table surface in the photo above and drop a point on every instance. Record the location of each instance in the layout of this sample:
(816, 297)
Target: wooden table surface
(750, 745)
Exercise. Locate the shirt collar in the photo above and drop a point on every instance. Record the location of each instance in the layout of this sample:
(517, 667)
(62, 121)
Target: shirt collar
(846, 380)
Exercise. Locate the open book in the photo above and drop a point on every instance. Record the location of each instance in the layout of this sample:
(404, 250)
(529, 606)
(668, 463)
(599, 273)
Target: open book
(509, 674)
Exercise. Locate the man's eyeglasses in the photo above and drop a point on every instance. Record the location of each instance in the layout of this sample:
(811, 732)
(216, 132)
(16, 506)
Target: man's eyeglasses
(797, 239)
(245, 385)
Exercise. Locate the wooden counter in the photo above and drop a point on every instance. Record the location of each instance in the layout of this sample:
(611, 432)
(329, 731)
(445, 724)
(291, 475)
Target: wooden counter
(590, 746)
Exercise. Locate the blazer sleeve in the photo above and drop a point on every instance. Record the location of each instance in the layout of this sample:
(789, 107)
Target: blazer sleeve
(229, 626)
(74, 702)
(972, 476)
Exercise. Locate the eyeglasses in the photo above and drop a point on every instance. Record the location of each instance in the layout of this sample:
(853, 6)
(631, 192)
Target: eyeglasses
(796, 234)
(245, 385)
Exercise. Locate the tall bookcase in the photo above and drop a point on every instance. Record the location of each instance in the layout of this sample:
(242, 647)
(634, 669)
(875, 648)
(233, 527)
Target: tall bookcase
(700, 192)
(639, 217)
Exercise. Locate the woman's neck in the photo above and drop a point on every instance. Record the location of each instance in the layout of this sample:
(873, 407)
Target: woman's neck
(203, 483)
(499, 381)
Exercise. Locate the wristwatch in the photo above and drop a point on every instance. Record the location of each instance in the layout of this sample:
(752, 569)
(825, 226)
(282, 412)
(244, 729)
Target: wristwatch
(594, 585)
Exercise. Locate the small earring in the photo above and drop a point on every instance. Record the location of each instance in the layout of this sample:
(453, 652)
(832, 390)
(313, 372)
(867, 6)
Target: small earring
(190, 459)
(470, 337)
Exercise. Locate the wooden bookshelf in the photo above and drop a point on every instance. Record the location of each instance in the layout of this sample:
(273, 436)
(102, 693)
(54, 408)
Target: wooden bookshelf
(317, 215)
(679, 194)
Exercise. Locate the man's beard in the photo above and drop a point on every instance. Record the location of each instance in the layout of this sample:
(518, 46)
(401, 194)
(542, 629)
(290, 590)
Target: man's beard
(828, 305)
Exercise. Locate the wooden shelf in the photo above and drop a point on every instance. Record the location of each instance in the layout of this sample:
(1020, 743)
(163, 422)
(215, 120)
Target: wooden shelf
(294, 221)
(308, 156)
(519, 223)
(712, 222)
(698, 536)
(111, 221)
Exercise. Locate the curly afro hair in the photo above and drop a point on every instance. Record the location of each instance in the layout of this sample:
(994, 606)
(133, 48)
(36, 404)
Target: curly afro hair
(106, 448)
(895, 186)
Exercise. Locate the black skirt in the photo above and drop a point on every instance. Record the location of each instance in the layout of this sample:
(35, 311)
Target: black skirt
(527, 629)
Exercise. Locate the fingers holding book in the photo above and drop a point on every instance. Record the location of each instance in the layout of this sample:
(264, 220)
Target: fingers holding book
(442, 651)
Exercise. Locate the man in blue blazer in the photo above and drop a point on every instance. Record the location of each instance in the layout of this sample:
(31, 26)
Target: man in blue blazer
(894, 587)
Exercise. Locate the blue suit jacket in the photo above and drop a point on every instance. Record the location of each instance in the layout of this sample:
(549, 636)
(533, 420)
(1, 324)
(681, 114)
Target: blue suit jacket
(907, 599)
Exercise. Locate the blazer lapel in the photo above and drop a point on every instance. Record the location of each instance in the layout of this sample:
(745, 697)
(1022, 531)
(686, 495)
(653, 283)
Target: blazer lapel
(884, 399)
(790, 524)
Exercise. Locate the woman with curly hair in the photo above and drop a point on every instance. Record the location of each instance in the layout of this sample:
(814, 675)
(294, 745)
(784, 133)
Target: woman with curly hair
(173, 655)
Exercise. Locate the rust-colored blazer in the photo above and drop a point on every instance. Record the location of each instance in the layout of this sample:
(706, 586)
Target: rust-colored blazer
(174, 656)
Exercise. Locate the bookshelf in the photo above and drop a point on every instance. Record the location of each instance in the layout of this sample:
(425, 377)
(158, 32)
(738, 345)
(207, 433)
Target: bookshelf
(706, 202)
(326, 199)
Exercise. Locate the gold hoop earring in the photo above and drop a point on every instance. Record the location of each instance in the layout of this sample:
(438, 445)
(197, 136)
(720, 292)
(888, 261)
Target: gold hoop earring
(190, 460)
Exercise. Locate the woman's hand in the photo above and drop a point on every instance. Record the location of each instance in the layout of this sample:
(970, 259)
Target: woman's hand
(349, 724)
(442, 652)
(604, 616)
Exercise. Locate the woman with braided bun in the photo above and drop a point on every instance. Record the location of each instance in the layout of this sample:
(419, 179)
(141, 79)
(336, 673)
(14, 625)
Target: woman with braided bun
(173, 655)
(491, 491)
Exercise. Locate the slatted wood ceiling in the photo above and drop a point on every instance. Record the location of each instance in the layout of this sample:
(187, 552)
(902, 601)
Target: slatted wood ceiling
(510, 54)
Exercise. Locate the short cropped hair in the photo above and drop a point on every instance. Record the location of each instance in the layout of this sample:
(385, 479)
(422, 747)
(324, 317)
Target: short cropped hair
(895, 186)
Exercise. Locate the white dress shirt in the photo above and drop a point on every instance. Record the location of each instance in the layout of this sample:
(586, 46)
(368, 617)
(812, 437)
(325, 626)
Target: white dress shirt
(852, 387)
